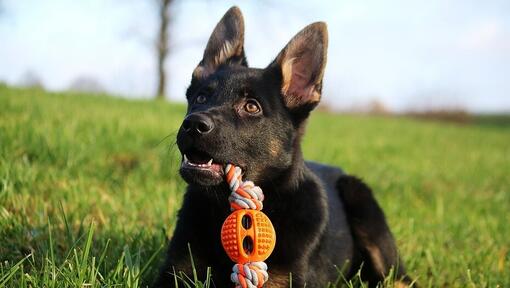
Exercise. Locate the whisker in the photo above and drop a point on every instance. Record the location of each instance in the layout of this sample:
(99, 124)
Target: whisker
(166, 137)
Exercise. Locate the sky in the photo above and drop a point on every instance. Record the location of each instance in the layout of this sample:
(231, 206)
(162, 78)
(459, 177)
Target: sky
(406, 54)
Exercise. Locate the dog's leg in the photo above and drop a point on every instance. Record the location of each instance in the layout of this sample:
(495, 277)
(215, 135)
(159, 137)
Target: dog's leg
(371, 233)
(178, 264)
(186, 237)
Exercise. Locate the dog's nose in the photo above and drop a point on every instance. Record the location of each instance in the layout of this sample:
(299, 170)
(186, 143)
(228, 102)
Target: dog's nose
(197, 123)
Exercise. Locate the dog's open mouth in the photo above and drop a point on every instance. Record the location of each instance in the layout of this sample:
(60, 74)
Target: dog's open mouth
(202, 163)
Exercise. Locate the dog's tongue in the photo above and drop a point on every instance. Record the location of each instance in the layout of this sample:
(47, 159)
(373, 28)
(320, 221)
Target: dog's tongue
(217, 167)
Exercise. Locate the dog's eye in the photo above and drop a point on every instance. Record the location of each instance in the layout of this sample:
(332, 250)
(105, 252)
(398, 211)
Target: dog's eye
(200, 99)
(252, 106)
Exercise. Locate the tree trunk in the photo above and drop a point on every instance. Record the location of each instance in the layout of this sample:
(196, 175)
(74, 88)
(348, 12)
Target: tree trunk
(162, 46)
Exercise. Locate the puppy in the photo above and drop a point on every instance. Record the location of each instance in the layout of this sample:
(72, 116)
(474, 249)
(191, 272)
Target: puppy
(255, 118)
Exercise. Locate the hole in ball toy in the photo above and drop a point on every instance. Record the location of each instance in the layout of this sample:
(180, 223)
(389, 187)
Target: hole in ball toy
(248, 245)
(246, 222)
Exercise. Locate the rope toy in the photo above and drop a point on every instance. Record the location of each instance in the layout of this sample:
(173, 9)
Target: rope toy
(247, 235)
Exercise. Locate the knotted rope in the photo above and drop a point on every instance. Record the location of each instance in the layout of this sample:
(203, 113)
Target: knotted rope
(245, 195)
(251, 275)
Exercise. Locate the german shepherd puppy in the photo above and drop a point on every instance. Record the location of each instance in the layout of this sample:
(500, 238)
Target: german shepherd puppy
(255, 119)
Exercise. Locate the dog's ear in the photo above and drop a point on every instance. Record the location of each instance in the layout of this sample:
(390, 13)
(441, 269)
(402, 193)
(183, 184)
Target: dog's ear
(301, 64)
(225, 45)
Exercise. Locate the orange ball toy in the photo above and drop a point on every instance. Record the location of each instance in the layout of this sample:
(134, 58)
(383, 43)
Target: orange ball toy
(248, 236)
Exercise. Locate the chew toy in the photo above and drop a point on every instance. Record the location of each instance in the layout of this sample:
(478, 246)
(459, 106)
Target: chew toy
(247, 235)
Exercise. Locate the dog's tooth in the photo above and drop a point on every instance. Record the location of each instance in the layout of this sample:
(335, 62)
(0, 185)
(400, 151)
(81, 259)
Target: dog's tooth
(186, 159)
(210, 162)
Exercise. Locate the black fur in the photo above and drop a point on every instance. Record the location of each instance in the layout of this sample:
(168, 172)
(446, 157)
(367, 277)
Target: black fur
(322, 216)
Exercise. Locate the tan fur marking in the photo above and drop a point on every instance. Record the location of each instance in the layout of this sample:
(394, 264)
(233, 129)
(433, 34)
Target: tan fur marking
(287, 74)
(225, 52)
(198, 72)
(278, 280)
(400, 284)
(377, 258)
(275, 147)
(316, 96)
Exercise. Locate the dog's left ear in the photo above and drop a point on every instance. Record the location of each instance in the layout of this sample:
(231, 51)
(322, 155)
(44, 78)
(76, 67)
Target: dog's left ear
(225, 45)
(301, 64)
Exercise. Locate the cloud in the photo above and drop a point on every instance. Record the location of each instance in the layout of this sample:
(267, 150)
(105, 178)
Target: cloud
(486, 36)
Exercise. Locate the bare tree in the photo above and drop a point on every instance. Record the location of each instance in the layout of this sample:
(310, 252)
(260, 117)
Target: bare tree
(162, 45)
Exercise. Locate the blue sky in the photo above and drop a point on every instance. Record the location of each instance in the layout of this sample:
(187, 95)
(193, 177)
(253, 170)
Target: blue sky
(408, 54)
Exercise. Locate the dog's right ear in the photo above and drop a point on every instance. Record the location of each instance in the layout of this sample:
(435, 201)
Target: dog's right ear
(225, 46)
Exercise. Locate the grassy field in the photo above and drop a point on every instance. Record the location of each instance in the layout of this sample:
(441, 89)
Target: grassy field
(89, 189)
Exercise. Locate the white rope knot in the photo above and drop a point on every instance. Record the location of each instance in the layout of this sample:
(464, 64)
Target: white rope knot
(251, 275)
(244, 195)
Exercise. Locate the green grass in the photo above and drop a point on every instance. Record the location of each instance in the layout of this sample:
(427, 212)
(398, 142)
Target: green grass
(89, 189)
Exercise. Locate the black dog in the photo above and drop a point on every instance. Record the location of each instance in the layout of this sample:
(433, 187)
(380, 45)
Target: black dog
(255, 118)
